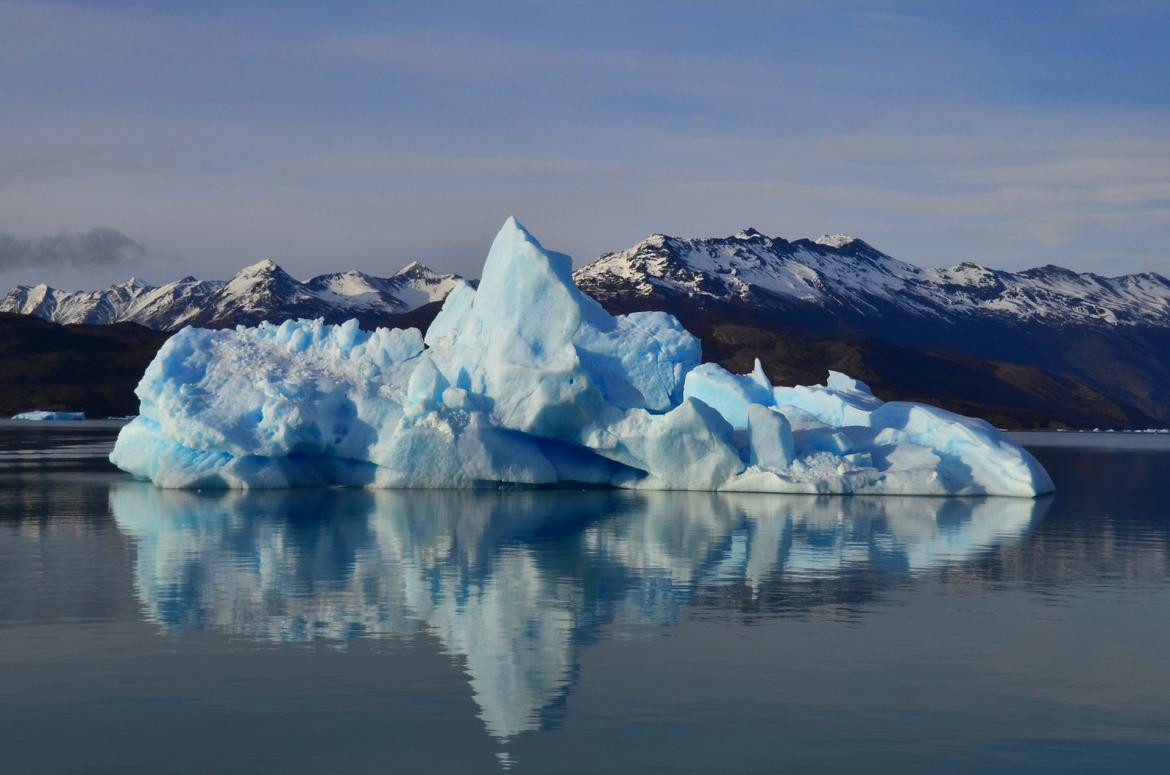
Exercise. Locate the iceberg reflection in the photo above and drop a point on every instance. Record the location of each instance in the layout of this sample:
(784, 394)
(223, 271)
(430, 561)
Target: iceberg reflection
(512, 583)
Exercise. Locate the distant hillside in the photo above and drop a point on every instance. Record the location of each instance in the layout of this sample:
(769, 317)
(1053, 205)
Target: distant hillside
(85, 368)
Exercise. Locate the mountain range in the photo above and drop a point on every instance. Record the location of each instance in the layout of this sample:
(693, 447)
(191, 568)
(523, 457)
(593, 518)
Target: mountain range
(845, 278)
(262, 291)
(1044, 347)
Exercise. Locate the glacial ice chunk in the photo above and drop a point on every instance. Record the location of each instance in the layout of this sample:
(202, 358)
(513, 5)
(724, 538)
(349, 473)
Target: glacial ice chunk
(727, 393)
(770, 433)
(41, 414)
(524, 380)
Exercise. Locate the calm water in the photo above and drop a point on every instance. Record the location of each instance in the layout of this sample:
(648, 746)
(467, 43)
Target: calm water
(592, 631)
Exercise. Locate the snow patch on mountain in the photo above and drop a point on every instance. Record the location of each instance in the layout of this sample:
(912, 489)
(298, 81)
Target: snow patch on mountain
(834, 240)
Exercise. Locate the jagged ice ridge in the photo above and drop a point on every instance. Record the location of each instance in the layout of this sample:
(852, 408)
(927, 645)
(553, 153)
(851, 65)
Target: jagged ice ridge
(525, 380)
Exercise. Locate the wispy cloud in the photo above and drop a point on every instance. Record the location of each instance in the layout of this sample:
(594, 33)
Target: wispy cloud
(93, 249)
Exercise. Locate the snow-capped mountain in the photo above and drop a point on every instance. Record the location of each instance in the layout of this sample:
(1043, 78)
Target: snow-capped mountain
(409, 288)
(170, 305)
(847, 277)
(262, 291)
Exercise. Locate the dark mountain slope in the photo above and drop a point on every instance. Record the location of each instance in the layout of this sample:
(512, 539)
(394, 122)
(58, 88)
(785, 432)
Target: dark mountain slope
(88, 368)
(1007, 395)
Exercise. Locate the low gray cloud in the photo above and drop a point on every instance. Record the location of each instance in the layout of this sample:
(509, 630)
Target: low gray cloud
(93, 249)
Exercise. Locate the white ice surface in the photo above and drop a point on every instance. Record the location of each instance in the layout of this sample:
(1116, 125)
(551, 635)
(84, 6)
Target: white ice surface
(527, 381)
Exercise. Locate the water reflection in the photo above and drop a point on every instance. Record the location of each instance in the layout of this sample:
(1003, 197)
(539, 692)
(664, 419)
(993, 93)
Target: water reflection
(513, 583)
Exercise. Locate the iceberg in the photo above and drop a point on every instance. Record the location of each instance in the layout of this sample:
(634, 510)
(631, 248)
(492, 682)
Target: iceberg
(40, 414)
(526, 381)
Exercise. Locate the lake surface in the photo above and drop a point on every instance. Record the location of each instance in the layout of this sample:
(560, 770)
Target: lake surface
(581, 631)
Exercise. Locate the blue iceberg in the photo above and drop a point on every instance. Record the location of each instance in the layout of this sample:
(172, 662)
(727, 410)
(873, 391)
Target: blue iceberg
(526, 381)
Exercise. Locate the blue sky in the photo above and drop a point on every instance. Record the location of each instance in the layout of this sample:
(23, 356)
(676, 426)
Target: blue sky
(366, 135)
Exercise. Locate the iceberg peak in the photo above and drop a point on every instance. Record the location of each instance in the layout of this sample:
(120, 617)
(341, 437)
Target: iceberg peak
(525, 380)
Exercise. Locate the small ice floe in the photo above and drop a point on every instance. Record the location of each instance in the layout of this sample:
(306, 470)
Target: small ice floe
(41, 414)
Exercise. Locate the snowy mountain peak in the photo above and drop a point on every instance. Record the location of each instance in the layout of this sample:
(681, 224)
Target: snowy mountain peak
(1052, 270)
(265, 266)
(417, 270)
(264, 280)
(654, 240)
(835, 240)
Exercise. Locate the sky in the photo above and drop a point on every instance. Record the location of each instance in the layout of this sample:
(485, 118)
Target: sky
(166, 139)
